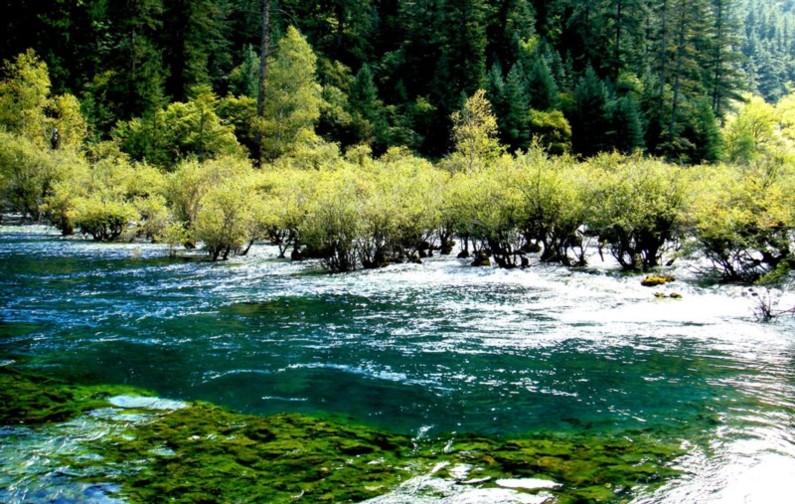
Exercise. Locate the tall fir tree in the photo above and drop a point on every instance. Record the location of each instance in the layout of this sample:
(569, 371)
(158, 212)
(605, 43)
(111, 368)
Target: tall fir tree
(588, 117)
(542, 86)
(515, 123)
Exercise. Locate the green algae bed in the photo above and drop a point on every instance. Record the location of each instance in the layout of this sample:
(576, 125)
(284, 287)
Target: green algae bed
(199, 452)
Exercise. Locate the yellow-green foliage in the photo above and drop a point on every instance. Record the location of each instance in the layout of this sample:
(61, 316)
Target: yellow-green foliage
(178, 131)
(209, 196)
(401, 210)
(752, 133)
(292, 98)
(28, 110)
(110, 198)
(552, 130)
(286, 195)
(27, 174)
(334, 219)
(743, 217)
(227, 218)
(635, 207)
(475, 135)
(23, 95)
(486, 206)
(554, 207)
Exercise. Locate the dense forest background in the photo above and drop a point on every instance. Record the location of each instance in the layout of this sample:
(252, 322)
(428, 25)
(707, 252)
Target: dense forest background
(655, 75)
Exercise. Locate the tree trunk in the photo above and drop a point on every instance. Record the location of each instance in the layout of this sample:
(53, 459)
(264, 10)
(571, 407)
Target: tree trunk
(264, 49)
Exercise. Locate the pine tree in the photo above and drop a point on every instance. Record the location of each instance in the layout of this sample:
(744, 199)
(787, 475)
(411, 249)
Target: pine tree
(368, 109)
(626, 132)
(514, 125)
(542, 86)
(588, 121)
(722, 76)
(508, 21)
(292, 108)
(705, 134)
(196, 44)
(243, 78)
(130, 76)
(495, 89)
(462, 63)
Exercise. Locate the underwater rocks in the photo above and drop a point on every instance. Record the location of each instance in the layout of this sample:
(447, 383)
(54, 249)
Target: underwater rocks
(150, 449)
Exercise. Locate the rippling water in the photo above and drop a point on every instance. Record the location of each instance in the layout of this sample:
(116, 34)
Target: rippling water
(435, 348)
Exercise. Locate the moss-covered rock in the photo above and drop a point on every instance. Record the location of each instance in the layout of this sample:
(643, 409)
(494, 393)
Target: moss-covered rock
(656, 280)
(197, 452)
(27, 399)
(481, 260)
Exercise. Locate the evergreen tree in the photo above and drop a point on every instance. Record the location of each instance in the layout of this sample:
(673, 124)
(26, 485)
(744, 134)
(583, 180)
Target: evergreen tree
(588, 117)
(626, 132)
(196, 44)
(368, 110)
(705, 134)
(514, 123)
(542, 86)
(722, 75)
(495, 89)
(130, 76)
(508, 21)
(462, 63)
(294, 97)
(243, 78)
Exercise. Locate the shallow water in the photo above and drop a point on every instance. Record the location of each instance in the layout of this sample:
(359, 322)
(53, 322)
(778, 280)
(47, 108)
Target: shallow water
(421, 349)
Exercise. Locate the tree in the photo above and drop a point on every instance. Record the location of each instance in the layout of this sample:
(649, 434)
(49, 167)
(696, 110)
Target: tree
(515, 121)
(243, 79)
(462, 62)
(368, 110)
(551, 130)
(130, 77)
(475, 134)
(264, 62)
(167, 136)
(752, 133)
(24, 92)
(294, 97)
(723, 77)
(626, 132)
(588, 124)
(541, 85)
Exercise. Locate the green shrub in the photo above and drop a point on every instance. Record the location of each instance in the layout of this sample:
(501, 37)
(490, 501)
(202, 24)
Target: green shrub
(742, 219)
(554, 208)
(635, 207)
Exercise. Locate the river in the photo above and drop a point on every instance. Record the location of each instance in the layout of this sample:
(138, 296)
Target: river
(422, 349)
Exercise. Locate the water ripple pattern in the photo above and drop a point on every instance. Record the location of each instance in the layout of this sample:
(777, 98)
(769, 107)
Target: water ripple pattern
(411, 348)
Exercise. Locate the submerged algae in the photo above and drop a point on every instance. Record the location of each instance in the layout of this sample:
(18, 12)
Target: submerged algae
(203, 453)
(27, 399)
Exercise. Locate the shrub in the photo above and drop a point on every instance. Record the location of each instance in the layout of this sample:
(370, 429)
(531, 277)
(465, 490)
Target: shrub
(635, 207)
(334, 218)
(743, 219)
(554, 209)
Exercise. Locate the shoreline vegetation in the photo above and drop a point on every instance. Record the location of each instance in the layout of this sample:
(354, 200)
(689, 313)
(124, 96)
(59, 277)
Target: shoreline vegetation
(182, 178)
(155, 450)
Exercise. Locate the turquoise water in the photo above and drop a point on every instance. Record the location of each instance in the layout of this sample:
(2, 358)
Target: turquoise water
(420, 349)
